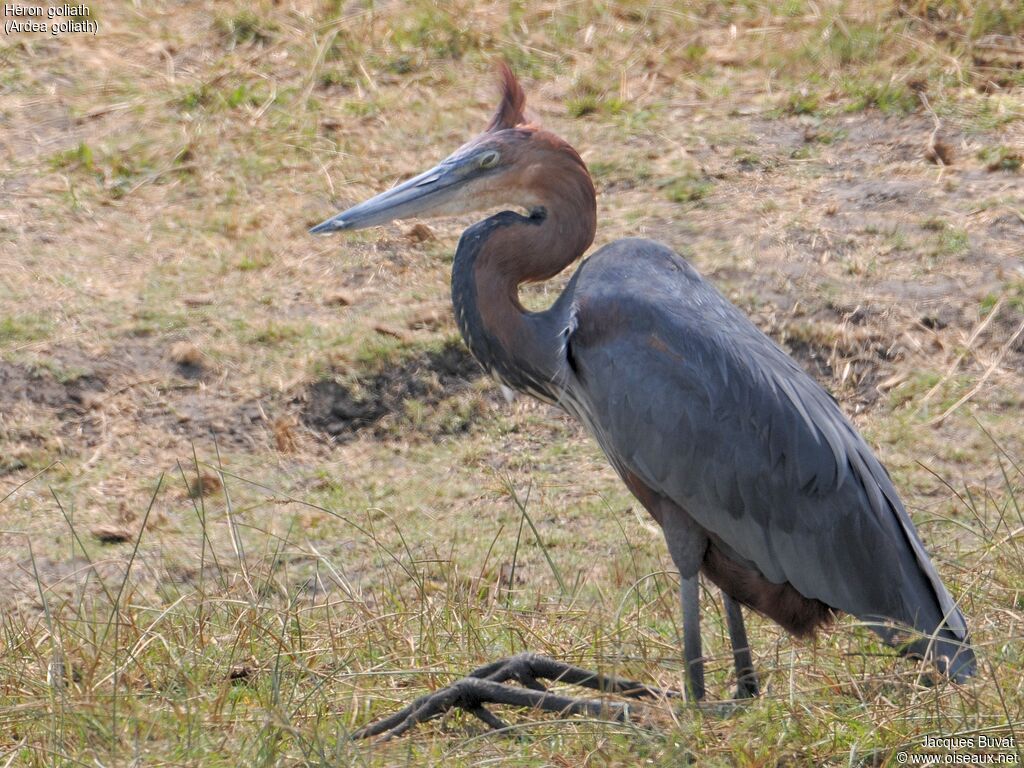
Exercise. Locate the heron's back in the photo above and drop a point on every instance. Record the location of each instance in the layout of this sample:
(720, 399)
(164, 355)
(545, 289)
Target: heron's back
(683, 391)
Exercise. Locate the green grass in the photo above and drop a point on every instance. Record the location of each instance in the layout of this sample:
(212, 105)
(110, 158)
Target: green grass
(234, 634)
(951, 241)
(157, 191)
(24, 328)
(976, 19)
(798, 103)
(245, 27)
(1001, 158)
(589, 104)
(854, 43)
(888, 97)
(79, 157)
(687, 189)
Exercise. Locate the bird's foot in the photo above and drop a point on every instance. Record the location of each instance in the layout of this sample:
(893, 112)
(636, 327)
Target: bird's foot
(747, 687)
(487, 685)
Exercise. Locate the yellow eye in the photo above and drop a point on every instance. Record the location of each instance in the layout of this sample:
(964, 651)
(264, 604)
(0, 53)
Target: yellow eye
(489, 159)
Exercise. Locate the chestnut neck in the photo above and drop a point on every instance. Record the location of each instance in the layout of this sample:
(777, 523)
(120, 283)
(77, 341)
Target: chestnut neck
(495, 256)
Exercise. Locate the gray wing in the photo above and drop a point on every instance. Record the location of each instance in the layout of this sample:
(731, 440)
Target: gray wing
(683, 390)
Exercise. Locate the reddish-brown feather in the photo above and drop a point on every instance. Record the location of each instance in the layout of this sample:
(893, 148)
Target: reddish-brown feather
(511, 110)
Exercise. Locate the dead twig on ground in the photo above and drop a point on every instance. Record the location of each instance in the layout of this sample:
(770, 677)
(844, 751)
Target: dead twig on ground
(984, 377)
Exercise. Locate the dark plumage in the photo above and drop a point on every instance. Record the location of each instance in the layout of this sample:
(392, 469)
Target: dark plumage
(756, 477)
(688, 396)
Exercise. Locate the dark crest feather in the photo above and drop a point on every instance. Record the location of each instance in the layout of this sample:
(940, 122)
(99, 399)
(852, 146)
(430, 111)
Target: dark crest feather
(510, 111)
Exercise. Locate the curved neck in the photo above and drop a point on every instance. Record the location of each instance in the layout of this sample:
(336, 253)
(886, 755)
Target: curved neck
(497, 255)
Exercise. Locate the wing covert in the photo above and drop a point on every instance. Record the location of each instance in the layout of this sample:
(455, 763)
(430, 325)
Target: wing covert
(680, 388)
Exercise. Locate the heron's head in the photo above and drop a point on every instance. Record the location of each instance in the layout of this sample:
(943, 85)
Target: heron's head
(512, 163)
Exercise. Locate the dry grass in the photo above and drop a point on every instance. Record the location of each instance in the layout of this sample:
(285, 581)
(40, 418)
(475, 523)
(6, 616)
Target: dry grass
(252, 493)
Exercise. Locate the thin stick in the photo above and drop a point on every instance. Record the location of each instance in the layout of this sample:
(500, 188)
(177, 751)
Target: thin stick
(521, 506)
(18, 487)
(984, 377)
(935, 130)
(978, 330)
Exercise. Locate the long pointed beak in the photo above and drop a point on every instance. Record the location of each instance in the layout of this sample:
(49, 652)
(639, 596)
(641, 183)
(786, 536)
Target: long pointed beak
(420, 195)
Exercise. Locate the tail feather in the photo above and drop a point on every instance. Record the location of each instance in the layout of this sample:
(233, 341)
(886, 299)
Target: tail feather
(940, 629)
(954, 657)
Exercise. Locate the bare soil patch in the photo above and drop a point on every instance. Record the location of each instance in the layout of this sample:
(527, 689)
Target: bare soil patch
(340, 409)
(350, 519)
(21, 384)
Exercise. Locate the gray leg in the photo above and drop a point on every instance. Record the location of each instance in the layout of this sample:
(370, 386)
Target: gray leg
(690, 593)
(687, 544)
(746, 678)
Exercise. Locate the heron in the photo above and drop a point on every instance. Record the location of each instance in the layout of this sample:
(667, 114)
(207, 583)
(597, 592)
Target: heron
(754, 474)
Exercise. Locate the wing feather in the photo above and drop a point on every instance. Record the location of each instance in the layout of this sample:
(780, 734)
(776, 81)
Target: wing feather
(683, 390)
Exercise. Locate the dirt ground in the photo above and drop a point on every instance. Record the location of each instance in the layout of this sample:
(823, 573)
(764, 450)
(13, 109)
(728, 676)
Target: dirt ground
(165, 318)
(870, 265)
